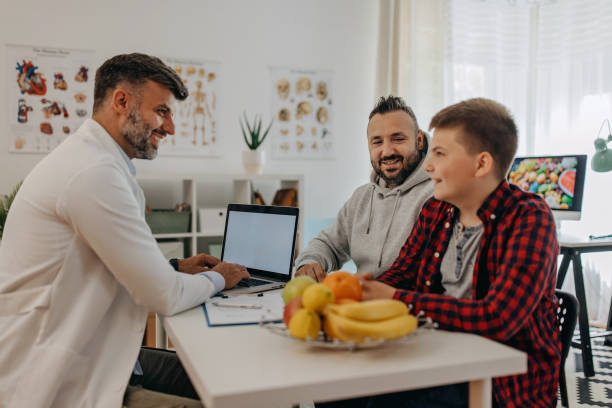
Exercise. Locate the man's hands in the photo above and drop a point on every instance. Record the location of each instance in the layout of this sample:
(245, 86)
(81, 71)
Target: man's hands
(373, 289)
(232, 273)
(197, 263)
(314, 270)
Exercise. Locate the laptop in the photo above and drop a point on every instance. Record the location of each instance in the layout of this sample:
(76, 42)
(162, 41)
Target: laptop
(262, 238)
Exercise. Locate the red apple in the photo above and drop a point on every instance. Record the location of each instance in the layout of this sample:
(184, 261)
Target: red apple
(290, 309)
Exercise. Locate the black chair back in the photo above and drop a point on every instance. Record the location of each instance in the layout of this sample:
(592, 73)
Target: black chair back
(567, 314)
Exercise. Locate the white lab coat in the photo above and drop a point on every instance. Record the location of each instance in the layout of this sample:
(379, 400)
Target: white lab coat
(79, 270)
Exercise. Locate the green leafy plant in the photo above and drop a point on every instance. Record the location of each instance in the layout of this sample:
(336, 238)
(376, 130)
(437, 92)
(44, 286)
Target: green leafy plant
(5, 205)
(255, 138)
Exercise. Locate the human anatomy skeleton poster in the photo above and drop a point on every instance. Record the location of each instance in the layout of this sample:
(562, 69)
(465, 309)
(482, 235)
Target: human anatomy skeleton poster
(195, 118)
(303, 114)
(50, 94)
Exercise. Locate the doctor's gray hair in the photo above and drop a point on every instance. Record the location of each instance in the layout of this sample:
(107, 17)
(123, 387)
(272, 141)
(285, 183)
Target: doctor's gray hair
(135, 69)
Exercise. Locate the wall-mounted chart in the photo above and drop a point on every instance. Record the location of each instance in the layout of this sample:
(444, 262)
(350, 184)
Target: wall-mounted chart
(50, 94)
(303, 114)
(195, 118)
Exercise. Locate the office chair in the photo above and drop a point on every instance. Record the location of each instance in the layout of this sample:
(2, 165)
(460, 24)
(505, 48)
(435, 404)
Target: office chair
(567, 313)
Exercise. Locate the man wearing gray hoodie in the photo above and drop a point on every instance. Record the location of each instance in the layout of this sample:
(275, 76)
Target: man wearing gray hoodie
(375, 222)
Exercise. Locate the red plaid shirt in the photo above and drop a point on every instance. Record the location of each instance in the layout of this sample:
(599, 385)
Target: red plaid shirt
(513, 298)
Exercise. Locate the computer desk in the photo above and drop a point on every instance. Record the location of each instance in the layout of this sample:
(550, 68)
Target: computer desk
(247, 365)
(572, 248)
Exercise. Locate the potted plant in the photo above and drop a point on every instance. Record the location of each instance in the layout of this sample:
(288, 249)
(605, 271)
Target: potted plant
(5, 205)
(253, 159)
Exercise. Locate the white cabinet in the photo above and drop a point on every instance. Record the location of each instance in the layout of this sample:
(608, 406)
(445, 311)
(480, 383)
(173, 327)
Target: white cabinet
(213, 191)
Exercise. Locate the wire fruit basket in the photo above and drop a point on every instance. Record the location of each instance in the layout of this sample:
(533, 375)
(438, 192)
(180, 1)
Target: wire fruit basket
(323, 341)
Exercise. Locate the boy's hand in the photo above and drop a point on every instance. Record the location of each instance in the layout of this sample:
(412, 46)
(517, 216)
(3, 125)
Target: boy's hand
(373, 289)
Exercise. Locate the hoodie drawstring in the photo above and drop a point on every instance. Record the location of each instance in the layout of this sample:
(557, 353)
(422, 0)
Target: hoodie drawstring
(370, 216)
(397, 196)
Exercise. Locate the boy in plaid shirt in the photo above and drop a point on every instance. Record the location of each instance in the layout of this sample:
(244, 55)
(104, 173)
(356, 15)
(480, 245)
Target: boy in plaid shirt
(481, 258)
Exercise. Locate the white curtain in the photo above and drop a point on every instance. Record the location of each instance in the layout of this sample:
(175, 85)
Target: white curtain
(488, 44)
(411, 54)
(574, 95)
(391, 24)
(550, 63)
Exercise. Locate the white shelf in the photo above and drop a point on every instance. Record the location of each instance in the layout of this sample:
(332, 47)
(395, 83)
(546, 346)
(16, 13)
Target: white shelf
(169, 236)
(240, 185)
(207, 235)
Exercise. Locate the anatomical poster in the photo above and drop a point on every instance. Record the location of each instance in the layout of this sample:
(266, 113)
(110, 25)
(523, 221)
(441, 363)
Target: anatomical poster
(303, 114)
(195, 118)
(50, 94)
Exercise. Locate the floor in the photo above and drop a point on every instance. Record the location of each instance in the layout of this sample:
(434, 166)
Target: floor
(595, 391)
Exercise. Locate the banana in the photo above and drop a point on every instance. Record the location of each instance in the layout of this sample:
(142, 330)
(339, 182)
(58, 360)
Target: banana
(371, 310)
(346, 329)
(330, 327)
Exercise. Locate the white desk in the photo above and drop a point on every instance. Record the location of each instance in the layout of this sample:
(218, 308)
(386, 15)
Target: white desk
(571, 248)
(239, 366)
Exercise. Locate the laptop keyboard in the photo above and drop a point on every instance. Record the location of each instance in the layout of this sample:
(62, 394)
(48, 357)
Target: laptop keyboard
(249, 283)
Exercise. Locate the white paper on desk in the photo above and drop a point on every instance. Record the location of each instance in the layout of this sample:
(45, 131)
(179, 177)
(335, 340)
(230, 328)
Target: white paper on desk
(271, 309)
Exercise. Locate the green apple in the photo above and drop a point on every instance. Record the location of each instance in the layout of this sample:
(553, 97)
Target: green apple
(295, 287)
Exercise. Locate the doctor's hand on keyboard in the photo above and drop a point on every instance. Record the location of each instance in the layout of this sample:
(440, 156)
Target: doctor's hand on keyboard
(197, 263)
(232, 273)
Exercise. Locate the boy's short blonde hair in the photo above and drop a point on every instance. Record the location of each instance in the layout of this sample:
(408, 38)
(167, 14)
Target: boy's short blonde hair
(487, 126)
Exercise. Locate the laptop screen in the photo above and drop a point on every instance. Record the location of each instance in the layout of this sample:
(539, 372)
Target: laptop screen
(262, 238)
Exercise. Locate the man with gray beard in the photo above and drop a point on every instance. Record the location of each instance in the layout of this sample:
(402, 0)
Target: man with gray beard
(375, 222)
(80, 268)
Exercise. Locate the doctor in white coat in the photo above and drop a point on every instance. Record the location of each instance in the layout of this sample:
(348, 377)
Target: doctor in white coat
(79, 267)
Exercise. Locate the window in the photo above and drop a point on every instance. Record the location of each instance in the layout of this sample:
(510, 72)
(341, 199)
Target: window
(550, 63)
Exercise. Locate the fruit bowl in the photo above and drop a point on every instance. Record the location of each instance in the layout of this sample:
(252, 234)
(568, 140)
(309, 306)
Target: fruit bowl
(322, 341)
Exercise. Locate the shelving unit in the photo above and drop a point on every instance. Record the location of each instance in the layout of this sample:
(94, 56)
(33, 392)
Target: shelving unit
(165, 191)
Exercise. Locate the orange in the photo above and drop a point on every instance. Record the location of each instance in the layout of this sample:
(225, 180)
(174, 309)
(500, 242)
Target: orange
(344, 285)
(344, 301)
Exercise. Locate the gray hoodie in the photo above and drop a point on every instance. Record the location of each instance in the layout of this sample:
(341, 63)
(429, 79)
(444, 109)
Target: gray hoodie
(372, 226)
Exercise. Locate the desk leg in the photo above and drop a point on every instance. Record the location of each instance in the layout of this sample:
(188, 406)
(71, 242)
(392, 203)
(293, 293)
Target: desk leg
(583, 317)
(563, 269)
(608, 341)
(160, 334)
(480, 393)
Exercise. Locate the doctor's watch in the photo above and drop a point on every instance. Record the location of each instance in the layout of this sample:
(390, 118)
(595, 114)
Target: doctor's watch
(175, 263)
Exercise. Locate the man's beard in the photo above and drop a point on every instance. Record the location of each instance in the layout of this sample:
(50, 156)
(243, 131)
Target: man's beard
(138, 133)
(409, 164)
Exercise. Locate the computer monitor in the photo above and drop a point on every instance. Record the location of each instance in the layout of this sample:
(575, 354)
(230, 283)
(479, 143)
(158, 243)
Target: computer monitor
(557, 179)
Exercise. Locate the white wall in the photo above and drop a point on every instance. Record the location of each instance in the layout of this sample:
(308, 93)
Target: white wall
(246, 37)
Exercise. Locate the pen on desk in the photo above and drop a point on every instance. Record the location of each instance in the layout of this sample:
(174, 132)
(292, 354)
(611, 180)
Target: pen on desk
(237, 306)
(600, 236)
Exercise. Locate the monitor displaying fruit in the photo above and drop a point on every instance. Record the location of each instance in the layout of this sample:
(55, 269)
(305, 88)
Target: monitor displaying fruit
(559, 180)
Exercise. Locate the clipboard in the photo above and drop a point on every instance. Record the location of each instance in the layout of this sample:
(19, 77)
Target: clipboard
(244, 309)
